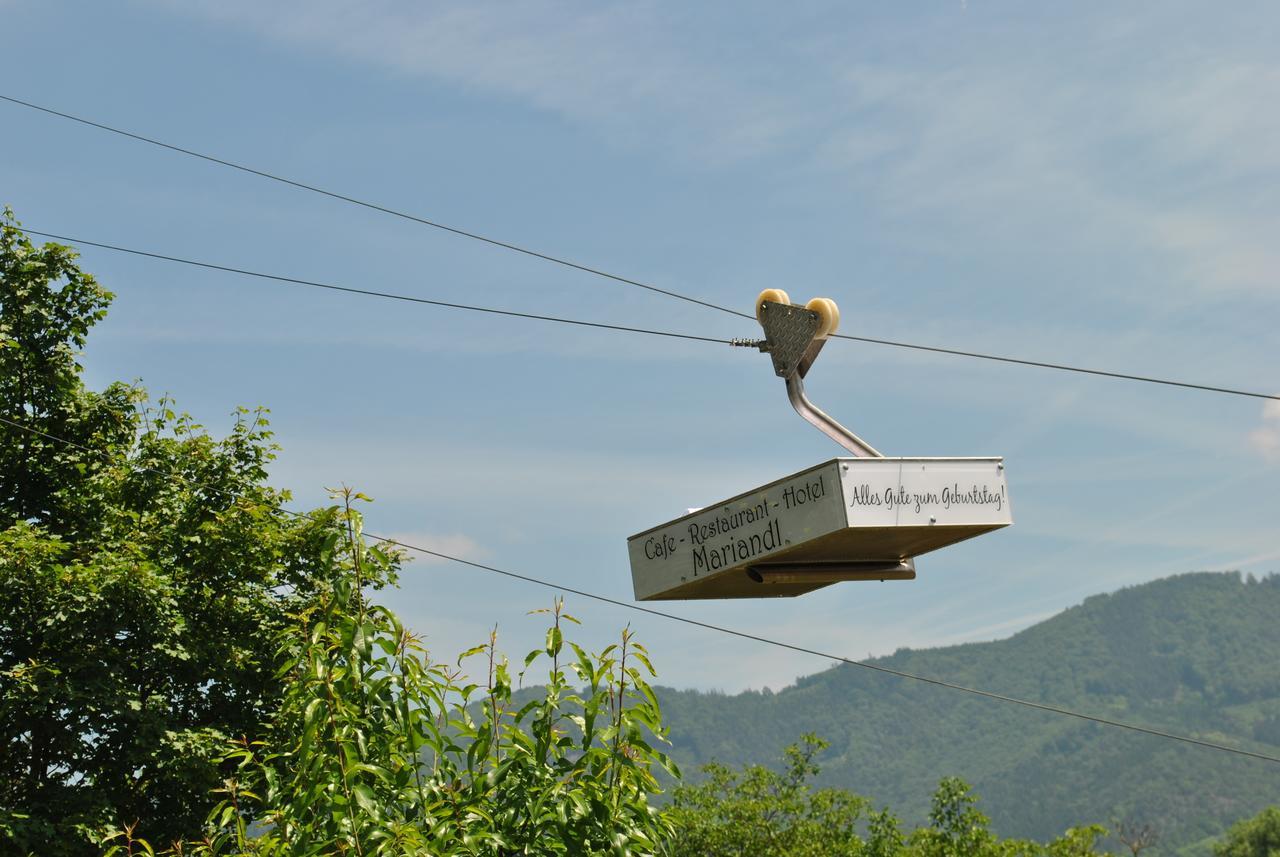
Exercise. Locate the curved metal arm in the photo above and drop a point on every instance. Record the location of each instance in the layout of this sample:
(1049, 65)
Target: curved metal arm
(791, 338)
(824, 423)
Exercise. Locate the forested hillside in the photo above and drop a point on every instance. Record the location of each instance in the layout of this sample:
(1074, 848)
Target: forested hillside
(1197, 654)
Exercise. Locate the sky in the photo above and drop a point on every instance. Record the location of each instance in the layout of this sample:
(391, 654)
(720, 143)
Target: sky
(1076, 183)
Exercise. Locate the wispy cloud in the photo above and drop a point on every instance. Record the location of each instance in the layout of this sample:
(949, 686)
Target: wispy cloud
(989, 138)
(613, 66)
(1011, 149)
(456, 545)
(1265, 439)
(995, 630)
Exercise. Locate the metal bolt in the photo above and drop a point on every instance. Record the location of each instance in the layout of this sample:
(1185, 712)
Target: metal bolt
(933, 520)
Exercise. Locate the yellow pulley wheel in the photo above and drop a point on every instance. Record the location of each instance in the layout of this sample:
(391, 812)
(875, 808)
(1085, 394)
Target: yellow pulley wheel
(777, 296)
(828, 316)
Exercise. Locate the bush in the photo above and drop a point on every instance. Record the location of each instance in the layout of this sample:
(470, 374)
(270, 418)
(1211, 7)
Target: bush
(377, 749)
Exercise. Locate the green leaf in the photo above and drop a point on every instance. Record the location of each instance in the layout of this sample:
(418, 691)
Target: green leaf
(554, 641)
(365, 798)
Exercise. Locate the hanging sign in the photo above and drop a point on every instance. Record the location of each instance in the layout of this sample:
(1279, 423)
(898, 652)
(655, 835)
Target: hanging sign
(862, 514)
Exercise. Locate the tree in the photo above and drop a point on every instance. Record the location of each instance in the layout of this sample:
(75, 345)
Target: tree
(763, 812)
(378, 749)
(146, 569)
(958, 829)
(1255, 837)
(47, 305)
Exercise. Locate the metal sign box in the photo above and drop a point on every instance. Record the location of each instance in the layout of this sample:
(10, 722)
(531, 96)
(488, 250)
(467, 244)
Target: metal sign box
(849, 518)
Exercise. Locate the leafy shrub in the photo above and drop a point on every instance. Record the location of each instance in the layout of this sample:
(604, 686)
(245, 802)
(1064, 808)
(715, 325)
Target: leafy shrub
(378, 749)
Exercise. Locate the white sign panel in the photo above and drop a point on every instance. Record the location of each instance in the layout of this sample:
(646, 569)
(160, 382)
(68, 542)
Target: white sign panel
(855, 509)
(740, 531)
(896, 492)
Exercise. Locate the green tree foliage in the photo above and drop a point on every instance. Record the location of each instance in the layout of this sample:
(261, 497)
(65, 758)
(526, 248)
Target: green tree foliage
(1255, 837)
(1193, 654)
(378, 749)
(762, 812)
(145, 571)
(47, 305)
(958, 829)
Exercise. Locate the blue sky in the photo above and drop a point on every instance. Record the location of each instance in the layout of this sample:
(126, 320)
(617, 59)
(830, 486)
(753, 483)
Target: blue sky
(1066, 182)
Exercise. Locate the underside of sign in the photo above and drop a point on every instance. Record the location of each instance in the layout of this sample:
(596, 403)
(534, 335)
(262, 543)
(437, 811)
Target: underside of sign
(846, 519)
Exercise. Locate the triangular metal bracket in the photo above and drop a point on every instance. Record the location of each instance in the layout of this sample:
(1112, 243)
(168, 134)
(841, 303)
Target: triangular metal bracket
(789, 332)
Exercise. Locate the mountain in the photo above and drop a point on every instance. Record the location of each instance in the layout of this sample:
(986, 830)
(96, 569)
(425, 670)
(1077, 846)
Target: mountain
(1197, 654)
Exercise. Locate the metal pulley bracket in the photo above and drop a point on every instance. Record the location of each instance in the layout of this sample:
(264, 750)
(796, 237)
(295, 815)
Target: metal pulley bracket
(790, 335)
(794, 336)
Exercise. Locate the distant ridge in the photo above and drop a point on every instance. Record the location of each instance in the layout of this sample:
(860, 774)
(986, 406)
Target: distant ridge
(1196, 653)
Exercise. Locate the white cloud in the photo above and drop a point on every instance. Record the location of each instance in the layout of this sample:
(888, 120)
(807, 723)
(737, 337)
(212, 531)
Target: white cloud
(1243, 562)
(992, 139)
(1000, 629)
(1212, 118)
(1007, 150)
(1222, 251)
(1265, 439)
(458, 545)
(612, 66)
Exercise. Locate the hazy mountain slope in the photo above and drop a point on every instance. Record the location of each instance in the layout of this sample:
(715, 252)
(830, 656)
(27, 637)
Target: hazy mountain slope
(1197, 654)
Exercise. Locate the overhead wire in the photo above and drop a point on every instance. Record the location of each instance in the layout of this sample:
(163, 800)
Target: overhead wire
(475, 236)
(376, 294)
(569, 263)
(1061, 367)
(708, 626)
(628, 329)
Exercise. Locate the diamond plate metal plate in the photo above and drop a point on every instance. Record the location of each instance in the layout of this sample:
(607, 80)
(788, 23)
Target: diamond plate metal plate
(789, 330)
